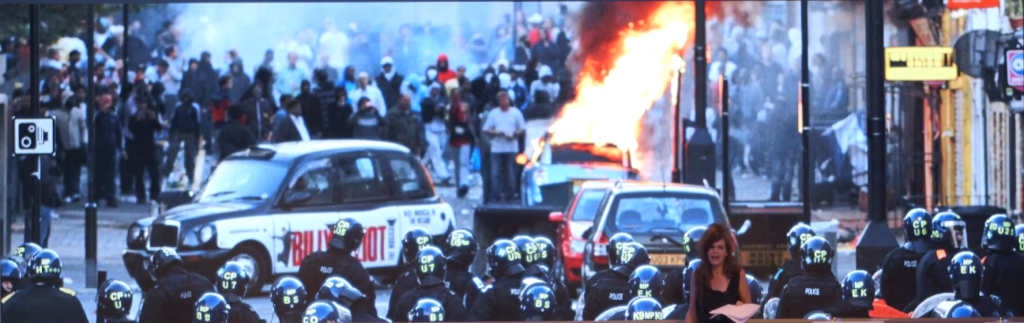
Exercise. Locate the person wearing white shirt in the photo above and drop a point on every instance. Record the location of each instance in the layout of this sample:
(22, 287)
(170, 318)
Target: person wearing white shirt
(721, 66)
(503, 125)
(369, 91)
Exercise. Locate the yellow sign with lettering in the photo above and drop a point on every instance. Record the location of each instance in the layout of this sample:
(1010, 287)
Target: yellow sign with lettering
(926, 63)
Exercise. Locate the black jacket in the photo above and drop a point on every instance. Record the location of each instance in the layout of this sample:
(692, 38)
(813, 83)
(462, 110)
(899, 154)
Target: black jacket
(185, 119)
(789, 270)
(311, 112)
(174, 297)
(673, 292)
(1004, 277)
(108, 133)
(317, 266)
(327, 97)
(454, 311)
(242, 313)
(367, 125)
(932, 276)
(606, 292)
(899, 277)
(846, 310)
(463, 283)
(564, 311)
(500, 302)
(338, 116)
(144, 134)
(43, 303)
(405, 283)
(289, 132)
(233, 138)
(809, 292)
(391, 90)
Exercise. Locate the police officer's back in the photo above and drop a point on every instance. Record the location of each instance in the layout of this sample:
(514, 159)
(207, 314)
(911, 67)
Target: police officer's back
(645, 282)
(817, 288)
(414, 240)
(965, 274)
(674, 279)
(500, 301)
(289, 298)
(461, 251)
(233, 283)
(543, 258)
(615, 244)
(211, 308)
(176, 290)
(858, 296)
(612, 290)
(44, 301)
(114, 301)
(430, 271)
(1003, 267)
(679, 313)
(947, 238)
(796, 236)
(899, 269)
(339, 290)
(347, 236)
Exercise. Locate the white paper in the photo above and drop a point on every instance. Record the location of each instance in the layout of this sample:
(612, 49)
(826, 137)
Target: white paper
(737, 313)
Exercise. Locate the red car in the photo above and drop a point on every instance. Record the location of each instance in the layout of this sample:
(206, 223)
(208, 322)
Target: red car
(579, 217)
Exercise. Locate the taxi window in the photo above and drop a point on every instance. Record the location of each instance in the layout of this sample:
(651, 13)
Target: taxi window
(409, 179)
(314, 177)
(360, 179)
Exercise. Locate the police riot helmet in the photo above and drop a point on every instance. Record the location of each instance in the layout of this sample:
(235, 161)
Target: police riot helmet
(1019, 232)
(796, 237)
(816, 255)
(27, 251)
(631, 256)
(962, 310)
(527, 249)
(326, 312)
(614, 244)
(288, 295)
(917, 224)
(771, 308)
(537, 303)
(530, 281)
(233, 280)
(687, 276)
(948, 231)
(859, 289)
(646, 281)
(114, 299)
(9, 271)
(545, 254)
(818, 316)
(162, 260)
(430, 264)
(338, 289)
(999, 234)
(347, 234)
(965, 272)
(414, 240)
(691, 241)
(504, 258)
(461, 247)
(21, 263)
(755, 289)
(427, 310)
(644, 309)
(212, 308)
(46, 267)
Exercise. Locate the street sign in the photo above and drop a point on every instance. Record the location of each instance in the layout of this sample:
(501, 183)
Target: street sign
(33, 136)
(927, 63)
(1015, 68)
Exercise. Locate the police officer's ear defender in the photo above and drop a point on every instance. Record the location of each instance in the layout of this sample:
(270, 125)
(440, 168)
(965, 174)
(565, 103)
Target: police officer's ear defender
(917, 224)
(427, 309)
(114, 299)
(46, 267)
(859, 289)
(644, 309)
(796, 237)
(414, 240)
(430, 266)
(816, 255)
(537, 302)
(999, 234)
(347, 234)
(615, 244)
(965, 272)
(288, 296)
(162, 260)
(232, 280)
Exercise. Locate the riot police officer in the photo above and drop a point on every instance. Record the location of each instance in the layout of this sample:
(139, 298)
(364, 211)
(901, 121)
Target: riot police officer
(612, 290)
(645, 281)
(427, 310)
(326, 312)
(1003, 266)
(644, 309)
(232, 283)
(347, 236)
(947, 237)
(289, 298)
(541, 252)
(955, 309)
(430, 270)
(25, 252)
(965, 275)
(500, 302)
(339, 290)
(899, 270)
(538, 303)
(796, 236)
(10, 275)
(615, 244)
(681, 308)
(176, 290)
(817, 288)
(756, 293)
(415, 239)
(114, 301)
(212, 308)
(38, 302)
(460, 247)
(674, 279)
(858, 296)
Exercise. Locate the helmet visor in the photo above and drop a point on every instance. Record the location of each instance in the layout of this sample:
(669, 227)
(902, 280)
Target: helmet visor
(956, 232)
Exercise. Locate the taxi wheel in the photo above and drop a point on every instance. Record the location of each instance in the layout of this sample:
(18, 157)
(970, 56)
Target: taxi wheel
(255, 262)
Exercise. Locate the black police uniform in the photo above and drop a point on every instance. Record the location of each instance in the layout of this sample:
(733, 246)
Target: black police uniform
(791, 269)
(673, 293)
(1003, 278)
(807, 293)
(463, 283)
(240, 311)
(679, 313)
(564, 311)
(617, 313)
(899, 272)
(361, 311)
(319, 265)
(43, 303)
(846, 309)
(404, 284)
(173, 299)
(606, 292)
(500, 302)
(932, 276)
(454, 311)
(123, 320)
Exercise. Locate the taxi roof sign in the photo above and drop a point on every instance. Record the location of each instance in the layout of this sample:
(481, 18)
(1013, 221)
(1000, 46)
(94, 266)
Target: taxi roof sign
(925, 63)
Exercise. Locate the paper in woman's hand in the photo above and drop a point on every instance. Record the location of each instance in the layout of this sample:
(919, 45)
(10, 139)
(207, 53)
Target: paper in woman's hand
(737, 313)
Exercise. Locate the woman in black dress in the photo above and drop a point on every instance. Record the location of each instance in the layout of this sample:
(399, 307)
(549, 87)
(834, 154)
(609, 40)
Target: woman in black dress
(719, 280)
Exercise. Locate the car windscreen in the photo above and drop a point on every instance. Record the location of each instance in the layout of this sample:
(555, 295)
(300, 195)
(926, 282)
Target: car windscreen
(585, 153)
(588, 205)
(243, 179)
(642, 213)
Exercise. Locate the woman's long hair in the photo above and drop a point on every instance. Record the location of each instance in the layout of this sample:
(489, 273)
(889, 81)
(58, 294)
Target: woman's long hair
(730, 266)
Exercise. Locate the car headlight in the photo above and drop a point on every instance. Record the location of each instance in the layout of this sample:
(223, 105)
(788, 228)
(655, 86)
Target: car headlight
(577, 246)
(206, 233)
(200, 236)
(134, 233)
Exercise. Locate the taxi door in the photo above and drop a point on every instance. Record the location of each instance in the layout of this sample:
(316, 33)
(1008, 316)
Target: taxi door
(414, 197)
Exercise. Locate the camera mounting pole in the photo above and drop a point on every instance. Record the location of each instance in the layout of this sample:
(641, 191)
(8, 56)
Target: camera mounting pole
(90, 204)
(33, 228)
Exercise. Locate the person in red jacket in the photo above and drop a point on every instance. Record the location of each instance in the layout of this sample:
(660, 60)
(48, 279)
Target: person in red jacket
(444, 73)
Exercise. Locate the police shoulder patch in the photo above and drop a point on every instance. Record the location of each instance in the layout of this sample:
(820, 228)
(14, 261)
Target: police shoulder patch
(4, 300)
(479, 283)
(67, 291)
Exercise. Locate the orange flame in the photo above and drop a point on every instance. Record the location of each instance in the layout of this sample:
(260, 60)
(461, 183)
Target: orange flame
(610, 103)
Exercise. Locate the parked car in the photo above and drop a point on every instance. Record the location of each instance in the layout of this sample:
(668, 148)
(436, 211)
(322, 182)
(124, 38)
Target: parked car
(578, 217)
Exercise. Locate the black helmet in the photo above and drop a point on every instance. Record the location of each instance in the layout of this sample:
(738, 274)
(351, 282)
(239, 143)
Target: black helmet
(212, 308)
(917, 224)
(816, 255)
(288, 295)
(414, 240)
(46, 266)
(430, 264)
(755, 289)
(796, 237)
(859, 289)
(338, 289)
(644, 309)
(347, 234)
(427, 310)
(9, 270)
(1019, 232)
(632, 255)
(614, 244)
(526, 247)
(545, 254)
(114, 299)
(461, 247)
(818, 315)
(948, 231)
(232, 280)
(504, 258)
(646, 281)
(965, 270)
(691, 241)
(27, 250)
(326, 312)
(21, 263)
(999, 233)
(962, 310)
(687, 276)
(161, 260)
(537, 303)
